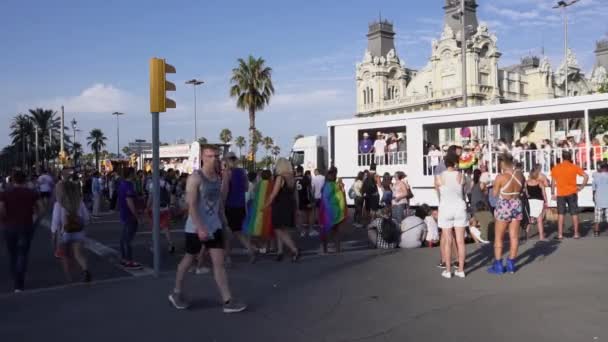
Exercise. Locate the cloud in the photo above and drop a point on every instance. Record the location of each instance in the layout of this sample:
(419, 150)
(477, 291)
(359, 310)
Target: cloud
(98, 98)
(513, 14)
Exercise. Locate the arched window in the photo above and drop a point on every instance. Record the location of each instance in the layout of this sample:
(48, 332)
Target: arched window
(364, 96)
(371, 95)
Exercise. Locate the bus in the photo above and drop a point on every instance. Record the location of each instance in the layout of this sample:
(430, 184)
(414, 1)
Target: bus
(411, 134)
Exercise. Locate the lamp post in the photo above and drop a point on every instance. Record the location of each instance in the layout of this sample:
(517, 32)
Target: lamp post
(563, 5)
(194, 82)
(117, 133)
(74, 122)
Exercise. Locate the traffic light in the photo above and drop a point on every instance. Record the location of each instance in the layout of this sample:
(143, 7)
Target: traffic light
(159, 85)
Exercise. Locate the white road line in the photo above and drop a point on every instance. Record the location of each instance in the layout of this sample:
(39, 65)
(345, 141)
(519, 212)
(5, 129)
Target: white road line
(105, 251)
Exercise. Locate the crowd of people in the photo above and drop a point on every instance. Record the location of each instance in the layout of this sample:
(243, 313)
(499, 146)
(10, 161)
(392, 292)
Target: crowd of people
(546, 153)
(220, 200)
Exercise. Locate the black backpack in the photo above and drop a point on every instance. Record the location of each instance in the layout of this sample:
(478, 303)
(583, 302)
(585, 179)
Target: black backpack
(390, 231)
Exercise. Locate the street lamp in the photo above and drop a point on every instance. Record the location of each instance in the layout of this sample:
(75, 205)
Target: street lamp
(74, 122)
(563, 5)
(117, 133)
(194, 82)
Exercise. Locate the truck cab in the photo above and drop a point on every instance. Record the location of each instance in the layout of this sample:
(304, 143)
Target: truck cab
(310, 152)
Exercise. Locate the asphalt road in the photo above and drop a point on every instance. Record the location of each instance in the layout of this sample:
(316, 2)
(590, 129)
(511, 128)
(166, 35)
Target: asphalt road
(361, 295)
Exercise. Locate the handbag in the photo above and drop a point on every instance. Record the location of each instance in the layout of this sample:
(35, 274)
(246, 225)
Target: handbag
(409, 195)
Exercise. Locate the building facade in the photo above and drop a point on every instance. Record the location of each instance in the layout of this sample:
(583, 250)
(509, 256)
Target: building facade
(385, 85)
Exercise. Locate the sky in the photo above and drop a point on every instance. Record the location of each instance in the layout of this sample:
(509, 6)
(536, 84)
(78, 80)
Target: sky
(93, 57)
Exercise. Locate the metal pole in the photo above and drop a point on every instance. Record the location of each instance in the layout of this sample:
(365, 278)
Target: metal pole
(117, 138)
(566, 47)
(61, 137)
(195, 117)
(463, 47)
(156, 193)
(36, 151)
(587, 141)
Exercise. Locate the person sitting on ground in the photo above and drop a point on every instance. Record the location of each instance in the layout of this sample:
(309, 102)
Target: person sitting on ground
(480, 222)
(413, 229)
(432, 229)
(383, 232)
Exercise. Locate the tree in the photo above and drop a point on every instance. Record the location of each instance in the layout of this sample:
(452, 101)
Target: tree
(127, 151)
(276, 150)
(599, 124)
(97, 141)
(252, 87)
(298, 136)
(240, 143)
(267, 142)
(225, 136)
(49, 130)
(22, 131)
(256, 141)
(202, 140)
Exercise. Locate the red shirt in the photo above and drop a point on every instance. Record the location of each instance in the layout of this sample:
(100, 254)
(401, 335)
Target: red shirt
(19, 204)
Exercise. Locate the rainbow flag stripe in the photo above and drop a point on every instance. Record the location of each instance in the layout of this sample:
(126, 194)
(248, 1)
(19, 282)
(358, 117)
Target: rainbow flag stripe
(258, 223)
(332, 210)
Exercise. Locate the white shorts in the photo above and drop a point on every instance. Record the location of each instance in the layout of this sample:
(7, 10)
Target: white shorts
(453, 216)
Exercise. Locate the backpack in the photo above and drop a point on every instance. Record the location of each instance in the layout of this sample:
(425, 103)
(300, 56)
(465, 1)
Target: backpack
(165, 197)
(390, 232)
(73, 223)
(351, 192)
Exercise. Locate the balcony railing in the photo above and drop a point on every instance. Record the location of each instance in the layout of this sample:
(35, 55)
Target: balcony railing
(389, 158)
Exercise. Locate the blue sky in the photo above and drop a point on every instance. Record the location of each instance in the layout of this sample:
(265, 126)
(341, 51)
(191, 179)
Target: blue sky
(92, 56)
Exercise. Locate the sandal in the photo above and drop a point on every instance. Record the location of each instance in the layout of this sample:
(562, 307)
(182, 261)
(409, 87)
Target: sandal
(559, 238)
(596, 234)
(295, 257)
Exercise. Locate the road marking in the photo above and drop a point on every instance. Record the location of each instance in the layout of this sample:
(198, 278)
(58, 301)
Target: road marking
(105, 252)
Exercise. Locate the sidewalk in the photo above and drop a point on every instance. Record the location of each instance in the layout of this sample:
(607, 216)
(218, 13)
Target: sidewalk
(371, 295)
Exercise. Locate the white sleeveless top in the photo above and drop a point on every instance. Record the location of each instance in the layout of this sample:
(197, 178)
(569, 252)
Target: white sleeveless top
(451, 190)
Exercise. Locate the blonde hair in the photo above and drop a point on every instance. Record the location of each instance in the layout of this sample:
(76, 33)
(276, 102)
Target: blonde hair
(284, 167)
(71, 197)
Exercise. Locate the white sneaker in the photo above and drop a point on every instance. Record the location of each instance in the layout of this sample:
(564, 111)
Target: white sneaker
(459, 274)
(446, 274)
(202, 270)
(313, 233)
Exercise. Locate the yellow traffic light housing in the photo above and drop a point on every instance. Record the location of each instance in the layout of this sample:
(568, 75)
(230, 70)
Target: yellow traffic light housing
(159, 85)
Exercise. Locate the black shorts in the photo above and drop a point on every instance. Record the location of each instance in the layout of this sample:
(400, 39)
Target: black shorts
(372, 203)
(571, 201)
(235, 218)
(45, 194)
(194, 245)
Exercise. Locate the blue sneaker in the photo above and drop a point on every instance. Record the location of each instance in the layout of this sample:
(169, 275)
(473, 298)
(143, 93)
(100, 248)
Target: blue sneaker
(497, 268)
(511, 266)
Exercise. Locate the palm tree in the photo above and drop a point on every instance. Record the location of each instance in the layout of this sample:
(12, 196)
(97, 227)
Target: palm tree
(240, 143)
(225, 136)
(202, 140)
(127, 151)
(252, 86)
(268, 143)
(49, 126)
(256, 141)
(22, 131)
(298, 136)
(97, 141)
(276, 150)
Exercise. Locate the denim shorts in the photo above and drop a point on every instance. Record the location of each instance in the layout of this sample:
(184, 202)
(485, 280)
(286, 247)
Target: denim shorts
(571, 201)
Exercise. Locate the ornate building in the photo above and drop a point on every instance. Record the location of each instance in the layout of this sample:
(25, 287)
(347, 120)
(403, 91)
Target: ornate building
(385, 85)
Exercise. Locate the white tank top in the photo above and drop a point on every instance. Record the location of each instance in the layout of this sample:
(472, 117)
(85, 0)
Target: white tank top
(451, 190)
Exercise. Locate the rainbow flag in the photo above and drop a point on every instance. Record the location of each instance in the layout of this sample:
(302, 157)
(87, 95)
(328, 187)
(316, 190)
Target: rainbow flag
(258, 223)
(466, 161)
(332, 210)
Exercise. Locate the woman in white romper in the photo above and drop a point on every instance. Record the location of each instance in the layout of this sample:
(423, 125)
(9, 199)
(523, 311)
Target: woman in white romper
(452, 215)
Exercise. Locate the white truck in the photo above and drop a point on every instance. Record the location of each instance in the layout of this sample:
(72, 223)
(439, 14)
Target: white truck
(310, 152)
